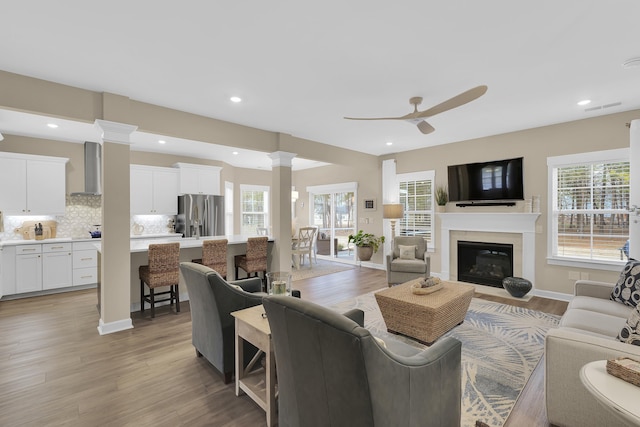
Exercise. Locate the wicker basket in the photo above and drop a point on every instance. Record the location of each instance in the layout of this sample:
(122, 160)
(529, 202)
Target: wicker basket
(625, 369)
(419, 290)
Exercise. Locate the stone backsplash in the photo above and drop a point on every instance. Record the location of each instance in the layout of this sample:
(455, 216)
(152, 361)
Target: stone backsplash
(82, 212)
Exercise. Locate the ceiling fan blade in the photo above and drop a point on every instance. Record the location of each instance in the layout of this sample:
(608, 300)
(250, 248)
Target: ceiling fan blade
(425, 127)
(376, 118)
(454, 102)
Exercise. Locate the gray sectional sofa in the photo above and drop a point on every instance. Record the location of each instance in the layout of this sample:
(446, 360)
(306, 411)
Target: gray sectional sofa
(587, 332)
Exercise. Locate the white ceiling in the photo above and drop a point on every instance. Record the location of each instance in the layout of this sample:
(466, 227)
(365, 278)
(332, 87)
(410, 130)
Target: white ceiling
(300, 66)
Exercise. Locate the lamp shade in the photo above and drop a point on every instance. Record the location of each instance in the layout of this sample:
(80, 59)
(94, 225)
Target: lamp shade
(392, 211)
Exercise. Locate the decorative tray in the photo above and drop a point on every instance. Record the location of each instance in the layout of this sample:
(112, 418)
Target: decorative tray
(626, 369)
(426, 286)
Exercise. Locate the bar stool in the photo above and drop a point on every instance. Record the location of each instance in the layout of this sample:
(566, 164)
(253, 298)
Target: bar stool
(255, 260)
(163, 270)
(214, 256)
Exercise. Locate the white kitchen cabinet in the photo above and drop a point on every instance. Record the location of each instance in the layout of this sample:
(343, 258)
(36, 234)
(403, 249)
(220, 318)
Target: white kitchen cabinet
(154, 190)
(85, 263)
(56, 265)
(28, 268)
(198, 179)
(32, 185)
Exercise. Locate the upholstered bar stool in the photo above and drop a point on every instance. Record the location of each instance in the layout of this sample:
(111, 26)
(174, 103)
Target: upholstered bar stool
(255, 260)
(163, 270)
(214, 256)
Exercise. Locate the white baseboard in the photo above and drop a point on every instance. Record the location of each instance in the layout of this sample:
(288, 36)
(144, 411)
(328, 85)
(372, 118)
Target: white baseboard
(553, 295)
(117, 326)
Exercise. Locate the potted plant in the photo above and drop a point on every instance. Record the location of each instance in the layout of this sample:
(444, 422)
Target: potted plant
(366, 243)
(442, 197)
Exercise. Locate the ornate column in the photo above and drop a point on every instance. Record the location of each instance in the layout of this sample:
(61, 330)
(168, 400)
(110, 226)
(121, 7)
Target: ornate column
(115, 258)
(281, 210)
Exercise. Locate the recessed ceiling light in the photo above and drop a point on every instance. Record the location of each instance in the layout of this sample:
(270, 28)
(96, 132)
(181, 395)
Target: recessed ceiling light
(162, 141)
(235, 153)
(389, 143)
(52, 125)
(235, 99)
(631, 63)
(584, 102)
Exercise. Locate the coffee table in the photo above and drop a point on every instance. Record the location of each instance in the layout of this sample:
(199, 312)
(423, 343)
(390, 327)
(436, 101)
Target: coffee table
(424, 318)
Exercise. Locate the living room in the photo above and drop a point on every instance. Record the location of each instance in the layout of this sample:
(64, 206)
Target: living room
(26, 91)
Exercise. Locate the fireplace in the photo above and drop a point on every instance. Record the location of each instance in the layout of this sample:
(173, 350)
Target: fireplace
(484, 263)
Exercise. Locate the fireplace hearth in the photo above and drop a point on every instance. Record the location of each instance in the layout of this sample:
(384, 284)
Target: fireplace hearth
(484, 263)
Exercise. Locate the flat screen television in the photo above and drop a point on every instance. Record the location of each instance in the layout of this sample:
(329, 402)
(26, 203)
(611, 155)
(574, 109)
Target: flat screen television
(498, 180)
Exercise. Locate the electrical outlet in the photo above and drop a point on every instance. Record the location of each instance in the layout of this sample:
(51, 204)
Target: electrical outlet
(584, 276)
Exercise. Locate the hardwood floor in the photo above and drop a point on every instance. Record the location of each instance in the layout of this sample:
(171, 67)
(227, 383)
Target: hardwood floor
(57, 370)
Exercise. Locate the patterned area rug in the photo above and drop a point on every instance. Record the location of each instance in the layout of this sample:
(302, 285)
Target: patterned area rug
(501, 345)
(320, 269)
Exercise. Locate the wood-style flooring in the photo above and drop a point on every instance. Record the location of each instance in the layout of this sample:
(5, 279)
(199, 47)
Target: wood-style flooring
(55, 369)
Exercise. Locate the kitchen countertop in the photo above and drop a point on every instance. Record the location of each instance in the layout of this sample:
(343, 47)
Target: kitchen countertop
(15, 242)
(142, 245)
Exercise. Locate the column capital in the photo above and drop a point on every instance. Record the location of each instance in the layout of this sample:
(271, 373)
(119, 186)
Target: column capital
(115, 132)
(281, 158)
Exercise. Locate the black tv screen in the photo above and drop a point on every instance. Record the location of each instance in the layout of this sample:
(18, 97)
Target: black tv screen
(497, 180)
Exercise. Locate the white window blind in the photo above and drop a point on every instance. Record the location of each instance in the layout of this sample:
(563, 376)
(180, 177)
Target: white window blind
(416, 196)
(589, 209)
(254, 206)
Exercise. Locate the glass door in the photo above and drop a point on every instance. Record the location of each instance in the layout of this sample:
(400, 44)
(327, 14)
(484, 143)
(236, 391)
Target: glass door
(334, 215)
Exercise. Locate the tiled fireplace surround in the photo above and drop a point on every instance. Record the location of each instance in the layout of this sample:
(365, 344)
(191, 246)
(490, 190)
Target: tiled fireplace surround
(517, 229)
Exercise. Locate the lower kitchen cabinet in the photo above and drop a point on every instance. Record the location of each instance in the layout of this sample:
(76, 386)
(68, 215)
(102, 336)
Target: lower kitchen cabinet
(85, 263)
(28, 273)
(56, 265)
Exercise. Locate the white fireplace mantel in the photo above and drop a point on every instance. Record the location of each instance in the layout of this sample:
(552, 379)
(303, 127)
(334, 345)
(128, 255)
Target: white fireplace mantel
(517, 223)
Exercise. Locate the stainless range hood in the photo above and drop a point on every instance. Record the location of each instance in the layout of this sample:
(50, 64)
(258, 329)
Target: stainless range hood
(92, 170)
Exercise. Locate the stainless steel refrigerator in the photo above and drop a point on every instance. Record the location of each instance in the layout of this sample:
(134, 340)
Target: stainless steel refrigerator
(200, 215)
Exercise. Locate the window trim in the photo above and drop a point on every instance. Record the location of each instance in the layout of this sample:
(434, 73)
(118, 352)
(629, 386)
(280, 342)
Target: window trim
(555, 162)
(422, 176)
(267, 210)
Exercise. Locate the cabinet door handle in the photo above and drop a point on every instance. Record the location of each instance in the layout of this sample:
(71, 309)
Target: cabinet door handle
(28, 249)
(85, 259)
(57, 247)
(85, 277)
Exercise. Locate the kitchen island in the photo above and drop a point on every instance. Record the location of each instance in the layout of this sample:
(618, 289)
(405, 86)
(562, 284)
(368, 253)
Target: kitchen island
(190, 248)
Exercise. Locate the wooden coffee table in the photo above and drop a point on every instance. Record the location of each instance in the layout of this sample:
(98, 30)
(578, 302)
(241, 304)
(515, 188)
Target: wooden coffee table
(424, 318)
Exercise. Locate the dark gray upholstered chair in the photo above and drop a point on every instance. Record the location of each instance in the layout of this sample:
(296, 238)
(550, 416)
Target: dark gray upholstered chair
(401, 270)
(212, 299)
(332, 372)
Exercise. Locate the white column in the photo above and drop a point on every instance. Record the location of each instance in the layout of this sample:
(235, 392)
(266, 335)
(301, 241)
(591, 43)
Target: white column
(634, 191)
(281, 210)
(115, 258)
(390, 195)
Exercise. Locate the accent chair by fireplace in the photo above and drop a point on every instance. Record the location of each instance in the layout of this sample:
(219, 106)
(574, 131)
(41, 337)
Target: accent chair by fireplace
(409, 260)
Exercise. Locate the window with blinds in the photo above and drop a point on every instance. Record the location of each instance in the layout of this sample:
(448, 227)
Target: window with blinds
(589, 210)
(416, 196)
(254, 205)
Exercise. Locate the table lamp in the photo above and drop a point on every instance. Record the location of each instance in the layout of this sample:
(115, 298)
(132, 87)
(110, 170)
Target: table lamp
(392, 212)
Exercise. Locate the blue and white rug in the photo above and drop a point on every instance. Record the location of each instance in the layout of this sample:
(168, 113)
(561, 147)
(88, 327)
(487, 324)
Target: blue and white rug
(501, 346)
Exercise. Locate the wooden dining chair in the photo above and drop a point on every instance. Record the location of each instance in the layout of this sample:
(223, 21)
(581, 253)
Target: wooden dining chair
(304, 246)
(163, 270)
(255, 260)
(214, 256)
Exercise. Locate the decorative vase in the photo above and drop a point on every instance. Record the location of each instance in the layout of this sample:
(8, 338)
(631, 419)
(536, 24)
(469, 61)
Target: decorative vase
(440, 208)
(516, 286)
(365, 253)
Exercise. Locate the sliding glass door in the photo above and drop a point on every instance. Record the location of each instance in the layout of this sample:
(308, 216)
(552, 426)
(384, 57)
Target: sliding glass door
(334, 214)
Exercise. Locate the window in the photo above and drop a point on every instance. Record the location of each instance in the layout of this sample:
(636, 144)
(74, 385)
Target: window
(228, 208)
(416, 196)
(588, 207)
(254, 207)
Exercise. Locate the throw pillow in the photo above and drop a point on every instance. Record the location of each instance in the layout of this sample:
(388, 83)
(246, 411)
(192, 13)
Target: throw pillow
(630, 333)
(407, 252)
(627, 289)
(380, 342)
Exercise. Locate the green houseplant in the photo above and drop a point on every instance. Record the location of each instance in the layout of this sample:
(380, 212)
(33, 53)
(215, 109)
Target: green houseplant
(366, 243)
(442, 197)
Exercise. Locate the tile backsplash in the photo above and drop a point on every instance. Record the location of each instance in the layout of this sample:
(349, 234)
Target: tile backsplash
(81, 213)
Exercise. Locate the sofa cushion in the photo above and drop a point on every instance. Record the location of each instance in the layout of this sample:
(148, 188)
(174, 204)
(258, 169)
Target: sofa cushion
(600, 305)
(627, 289)
(407, 252)
(630, 333)
(408, 266)
(587, 320)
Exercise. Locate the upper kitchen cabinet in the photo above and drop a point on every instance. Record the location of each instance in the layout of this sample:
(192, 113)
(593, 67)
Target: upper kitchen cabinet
(154, 190)
(198, 179)
(32, 185)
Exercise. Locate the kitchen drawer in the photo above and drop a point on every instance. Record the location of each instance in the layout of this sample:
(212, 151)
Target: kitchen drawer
(85, 276)
(86, 258)
(56, 247)
(28, 249)
(83, 246)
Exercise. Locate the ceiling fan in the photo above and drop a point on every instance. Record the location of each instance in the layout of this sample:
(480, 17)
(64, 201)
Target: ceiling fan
(417, 116)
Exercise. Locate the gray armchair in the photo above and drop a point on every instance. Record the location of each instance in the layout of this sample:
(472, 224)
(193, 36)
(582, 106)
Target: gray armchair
(402, 269)
(333, 372)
